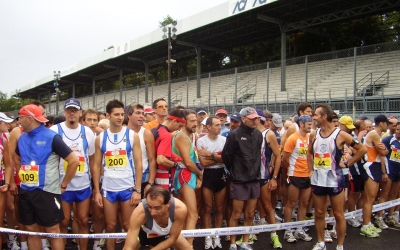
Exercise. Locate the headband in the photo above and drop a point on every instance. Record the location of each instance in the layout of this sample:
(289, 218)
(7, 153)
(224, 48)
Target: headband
(171, 117)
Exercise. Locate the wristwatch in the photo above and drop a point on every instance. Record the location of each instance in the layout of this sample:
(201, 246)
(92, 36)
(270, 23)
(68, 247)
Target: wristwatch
(212, 156)
(275, 177)
(384, 172)
(138, 190)
(346, 164)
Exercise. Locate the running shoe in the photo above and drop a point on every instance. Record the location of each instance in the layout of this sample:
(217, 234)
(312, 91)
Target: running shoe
(102, 242)
(339, 248)
(333, 233)
(97, 248)
(327, 236)
(224, 224)
(300, 234)
(216, 242)
(380, 223)
(354, 222)
(245, 246)
(227, 238)
(389, 220)
(396, 217)
(13, 244)
(240, 241)
(279, 205)
(119, 240)
(289, 237)
(208, 243)
(375, 229)
(319, 247)
(278, 219)
(368, 232)
(233, 247)
(275, 242)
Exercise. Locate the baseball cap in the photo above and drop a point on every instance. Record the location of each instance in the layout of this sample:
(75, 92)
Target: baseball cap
(249, 112)
(221, 111)
(261, 114)
(304, 118)
(148, 111)
(200, 110)
(277, 120)
(381, 118)
(348, 121)
(236, 117)
(32, 111)
(72, 102)
(5, 118)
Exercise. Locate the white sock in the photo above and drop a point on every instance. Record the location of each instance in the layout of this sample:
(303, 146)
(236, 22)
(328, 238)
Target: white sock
(44, 242)
(396, 212)
(262, 220)
(321, 244)
(24, 244)
(273, 234)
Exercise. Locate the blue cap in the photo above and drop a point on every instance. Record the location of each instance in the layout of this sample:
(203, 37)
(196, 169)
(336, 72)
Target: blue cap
(236, 116)
(261, 114)
(72, 102)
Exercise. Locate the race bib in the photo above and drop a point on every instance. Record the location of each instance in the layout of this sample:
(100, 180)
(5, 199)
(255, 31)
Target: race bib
(81, 167)
(116, 159)
(303, 150)
(29, 175)
(322, 160)
(395, 155)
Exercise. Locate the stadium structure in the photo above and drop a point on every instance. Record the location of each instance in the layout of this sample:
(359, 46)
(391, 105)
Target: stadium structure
(361, 80)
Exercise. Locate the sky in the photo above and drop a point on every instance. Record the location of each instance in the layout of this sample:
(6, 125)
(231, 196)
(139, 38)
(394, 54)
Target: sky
(40, 36)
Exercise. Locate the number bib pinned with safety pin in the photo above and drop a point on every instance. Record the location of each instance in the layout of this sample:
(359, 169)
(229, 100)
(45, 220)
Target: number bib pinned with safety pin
(116, 159)
(322, 161)
(29, 175)
(80, 171)
(395, 155)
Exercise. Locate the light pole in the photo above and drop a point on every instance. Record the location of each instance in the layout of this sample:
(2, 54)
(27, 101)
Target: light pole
(171, 35)
(56, 79)
(17, 91)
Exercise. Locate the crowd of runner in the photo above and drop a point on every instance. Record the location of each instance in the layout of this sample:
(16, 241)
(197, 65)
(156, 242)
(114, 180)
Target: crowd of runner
(155, 173)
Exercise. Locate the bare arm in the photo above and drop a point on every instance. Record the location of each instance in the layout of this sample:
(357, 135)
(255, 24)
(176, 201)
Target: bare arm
(274, 145)
(8, 168)
(138, 218)
(285, 160)
(359, 149)
(98, 155)
(73, 163)
(151, 155)
(310, 153)
(137, 152)
(291, 130)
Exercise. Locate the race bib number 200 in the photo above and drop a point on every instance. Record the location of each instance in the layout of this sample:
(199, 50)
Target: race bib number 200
(116, 159)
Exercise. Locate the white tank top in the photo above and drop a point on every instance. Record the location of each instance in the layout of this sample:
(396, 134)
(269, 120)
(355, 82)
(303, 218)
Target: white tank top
(75, 140)
(117, 160)
(145, 158)
(327, 156)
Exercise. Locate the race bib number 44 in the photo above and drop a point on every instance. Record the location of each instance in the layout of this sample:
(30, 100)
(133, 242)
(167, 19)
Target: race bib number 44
(322, 160)
(116, 159)
(29, 175)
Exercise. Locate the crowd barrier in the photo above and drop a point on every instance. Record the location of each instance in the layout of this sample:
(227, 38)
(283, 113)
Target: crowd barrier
(214, 231)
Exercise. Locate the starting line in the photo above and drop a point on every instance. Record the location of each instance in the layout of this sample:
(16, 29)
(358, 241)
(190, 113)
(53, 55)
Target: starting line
(214, 231)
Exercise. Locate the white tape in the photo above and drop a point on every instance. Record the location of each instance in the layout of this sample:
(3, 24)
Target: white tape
(214, 231)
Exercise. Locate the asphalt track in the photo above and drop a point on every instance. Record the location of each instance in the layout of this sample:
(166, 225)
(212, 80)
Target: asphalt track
(388, 239)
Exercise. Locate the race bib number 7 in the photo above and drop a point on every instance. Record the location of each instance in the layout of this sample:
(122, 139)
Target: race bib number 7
(29, 175)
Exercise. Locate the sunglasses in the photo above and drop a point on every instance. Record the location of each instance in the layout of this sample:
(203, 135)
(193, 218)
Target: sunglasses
(162, 106)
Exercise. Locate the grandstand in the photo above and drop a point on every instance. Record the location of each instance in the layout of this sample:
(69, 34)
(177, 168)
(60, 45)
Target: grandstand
(330, 78)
